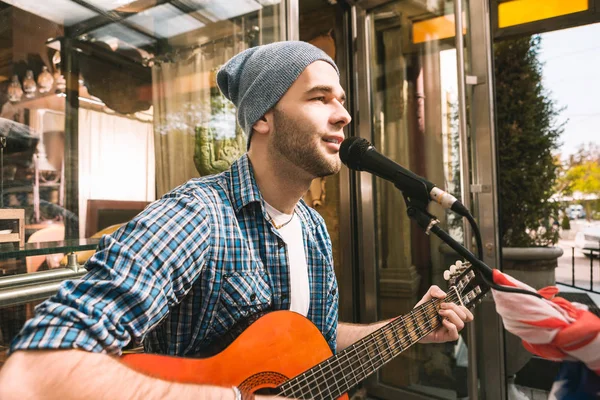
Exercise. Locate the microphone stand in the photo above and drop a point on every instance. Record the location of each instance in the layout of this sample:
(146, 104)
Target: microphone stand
(417, 210)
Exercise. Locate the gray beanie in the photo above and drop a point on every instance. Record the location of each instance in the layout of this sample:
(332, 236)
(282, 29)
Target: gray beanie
(255, 79)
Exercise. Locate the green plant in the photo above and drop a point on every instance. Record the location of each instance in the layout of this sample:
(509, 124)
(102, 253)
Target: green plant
(527, 135)
(565, 224)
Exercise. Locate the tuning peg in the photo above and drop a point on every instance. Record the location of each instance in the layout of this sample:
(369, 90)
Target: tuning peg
(459, 263)
(447, 275)
(453, 269)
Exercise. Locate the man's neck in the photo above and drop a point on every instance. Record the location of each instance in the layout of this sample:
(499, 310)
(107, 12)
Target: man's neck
(278, 186)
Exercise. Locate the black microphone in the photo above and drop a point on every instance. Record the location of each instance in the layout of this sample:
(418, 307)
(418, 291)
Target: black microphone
(360, 155)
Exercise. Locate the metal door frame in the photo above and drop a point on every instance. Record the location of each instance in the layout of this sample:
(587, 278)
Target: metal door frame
(486, 365)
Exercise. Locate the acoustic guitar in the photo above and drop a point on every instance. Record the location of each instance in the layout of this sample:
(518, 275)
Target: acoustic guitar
(283, 353)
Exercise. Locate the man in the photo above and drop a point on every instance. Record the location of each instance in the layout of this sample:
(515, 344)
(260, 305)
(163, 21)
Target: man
(208, 253)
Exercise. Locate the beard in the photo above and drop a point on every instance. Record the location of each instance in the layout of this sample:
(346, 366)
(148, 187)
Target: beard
(295, 141)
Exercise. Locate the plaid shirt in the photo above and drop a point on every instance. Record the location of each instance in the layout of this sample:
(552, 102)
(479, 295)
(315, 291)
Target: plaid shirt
(184, 271)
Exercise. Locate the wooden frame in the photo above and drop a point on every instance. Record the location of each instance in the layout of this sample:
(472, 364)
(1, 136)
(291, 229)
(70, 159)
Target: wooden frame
(95, 208)
(18, 215)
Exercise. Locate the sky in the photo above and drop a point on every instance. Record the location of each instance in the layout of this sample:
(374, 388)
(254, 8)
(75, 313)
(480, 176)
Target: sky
(571, 72)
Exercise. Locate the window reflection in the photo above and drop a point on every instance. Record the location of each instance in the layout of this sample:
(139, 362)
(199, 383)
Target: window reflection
(116, 107)
(415, 124)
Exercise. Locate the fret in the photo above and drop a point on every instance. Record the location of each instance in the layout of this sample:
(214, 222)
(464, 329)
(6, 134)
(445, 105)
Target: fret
(370, 354)
(410, 331)
(389, 338)
(434, 316)
(417, 322)
(427, 318)
(379, 342)
(335, 371)
(314, 388)
(305, 387)
(325, 381)
(405, 334)
(344, 360)
(360, 364)
(375, 340)
(397, 337)
(284, 387)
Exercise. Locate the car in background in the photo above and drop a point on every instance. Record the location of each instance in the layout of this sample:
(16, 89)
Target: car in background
(575, 211)
(588, 241)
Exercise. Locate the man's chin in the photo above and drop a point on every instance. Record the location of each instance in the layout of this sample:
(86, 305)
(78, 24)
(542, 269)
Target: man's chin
(332, 170)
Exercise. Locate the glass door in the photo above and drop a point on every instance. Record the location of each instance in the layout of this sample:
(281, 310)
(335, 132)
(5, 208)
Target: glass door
(413, 78)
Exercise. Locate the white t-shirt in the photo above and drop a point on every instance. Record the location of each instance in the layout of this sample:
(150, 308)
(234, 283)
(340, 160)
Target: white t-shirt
(292, 236)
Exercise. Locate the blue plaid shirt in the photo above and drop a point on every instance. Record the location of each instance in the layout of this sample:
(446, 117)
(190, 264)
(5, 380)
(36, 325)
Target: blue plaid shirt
(184, 271)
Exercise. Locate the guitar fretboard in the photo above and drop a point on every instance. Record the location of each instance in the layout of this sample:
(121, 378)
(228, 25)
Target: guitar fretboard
(339, 373)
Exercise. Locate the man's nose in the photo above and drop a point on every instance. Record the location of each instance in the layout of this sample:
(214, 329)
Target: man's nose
(341, 117)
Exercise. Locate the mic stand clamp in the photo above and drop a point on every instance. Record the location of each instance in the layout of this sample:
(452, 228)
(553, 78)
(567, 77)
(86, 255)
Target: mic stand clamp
(417, 210)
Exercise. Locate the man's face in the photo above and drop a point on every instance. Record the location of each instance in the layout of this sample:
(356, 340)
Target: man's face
(308, 121)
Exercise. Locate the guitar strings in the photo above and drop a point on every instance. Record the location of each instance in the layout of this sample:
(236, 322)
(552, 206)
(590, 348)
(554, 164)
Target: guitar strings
(377, 338)
(404, 342)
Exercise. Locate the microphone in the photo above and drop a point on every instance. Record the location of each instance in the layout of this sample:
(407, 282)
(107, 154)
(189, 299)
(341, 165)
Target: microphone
(360, 155)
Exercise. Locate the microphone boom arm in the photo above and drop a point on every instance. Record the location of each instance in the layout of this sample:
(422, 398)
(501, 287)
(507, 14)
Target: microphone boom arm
(417, 211)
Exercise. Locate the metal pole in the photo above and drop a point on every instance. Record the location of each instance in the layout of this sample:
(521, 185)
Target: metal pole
(573, 266)
(42, 277)
(292, 13)
(70, 59)
(591, 270)
(464, 179)
(26, 294)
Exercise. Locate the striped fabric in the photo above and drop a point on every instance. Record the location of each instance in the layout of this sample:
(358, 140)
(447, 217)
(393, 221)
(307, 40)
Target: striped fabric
(555, 329)
(184, 271)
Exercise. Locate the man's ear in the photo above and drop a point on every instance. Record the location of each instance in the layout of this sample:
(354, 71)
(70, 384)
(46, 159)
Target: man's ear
(264, 124)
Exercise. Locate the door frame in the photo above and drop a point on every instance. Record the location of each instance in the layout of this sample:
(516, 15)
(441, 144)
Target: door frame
(487, 363)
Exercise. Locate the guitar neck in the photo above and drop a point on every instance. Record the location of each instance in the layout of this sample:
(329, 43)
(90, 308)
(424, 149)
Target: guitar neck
(338, 374)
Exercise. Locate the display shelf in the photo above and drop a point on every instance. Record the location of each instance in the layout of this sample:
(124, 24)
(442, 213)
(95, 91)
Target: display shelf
(62, 246)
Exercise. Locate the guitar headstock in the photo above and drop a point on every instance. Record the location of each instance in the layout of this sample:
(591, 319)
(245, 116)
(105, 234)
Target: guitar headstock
(468, 283)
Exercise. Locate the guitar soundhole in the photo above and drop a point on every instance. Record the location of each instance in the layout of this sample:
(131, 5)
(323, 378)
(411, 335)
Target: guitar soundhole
(265, 383)
(268, 392)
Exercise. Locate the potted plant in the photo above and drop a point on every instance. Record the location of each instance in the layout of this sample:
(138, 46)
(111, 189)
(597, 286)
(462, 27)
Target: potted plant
(527, 136)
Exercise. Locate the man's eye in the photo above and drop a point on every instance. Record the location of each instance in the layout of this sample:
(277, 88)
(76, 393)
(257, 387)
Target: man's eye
(321, 98)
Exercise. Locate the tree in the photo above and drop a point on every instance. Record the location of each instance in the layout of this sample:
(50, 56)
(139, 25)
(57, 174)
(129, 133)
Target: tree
(584, 178)
(581, 173)
(527, 137)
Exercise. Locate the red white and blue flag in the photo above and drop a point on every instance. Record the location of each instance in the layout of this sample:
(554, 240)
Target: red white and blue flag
(555, 329)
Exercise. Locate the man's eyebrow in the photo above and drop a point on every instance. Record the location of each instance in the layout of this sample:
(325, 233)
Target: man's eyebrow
(325, 89)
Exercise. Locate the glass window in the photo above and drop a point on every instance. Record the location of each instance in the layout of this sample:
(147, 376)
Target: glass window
(102, 113)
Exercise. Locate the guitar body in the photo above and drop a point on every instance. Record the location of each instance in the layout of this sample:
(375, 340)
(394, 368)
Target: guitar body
(283, 351)
(278, 346)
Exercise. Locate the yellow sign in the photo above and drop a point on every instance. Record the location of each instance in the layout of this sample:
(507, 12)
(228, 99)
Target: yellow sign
(435, 29)
(519, 12)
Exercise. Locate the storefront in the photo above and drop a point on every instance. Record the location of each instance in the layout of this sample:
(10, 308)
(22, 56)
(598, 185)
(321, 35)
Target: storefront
(106, 108)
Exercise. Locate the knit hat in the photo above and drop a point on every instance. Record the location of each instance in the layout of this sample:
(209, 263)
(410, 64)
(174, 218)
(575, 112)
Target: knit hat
(255, 79)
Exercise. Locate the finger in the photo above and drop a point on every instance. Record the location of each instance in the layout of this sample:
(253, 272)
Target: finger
(468, 313)
(436, 292)
(433, 292)
(456, 308)
(451, 329)
(453, 318)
